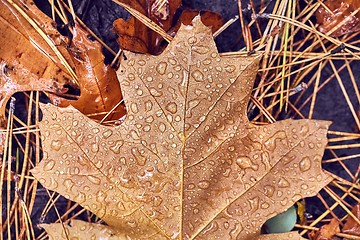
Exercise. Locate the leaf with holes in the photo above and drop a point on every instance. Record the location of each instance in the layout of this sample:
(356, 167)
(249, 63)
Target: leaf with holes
(186, 163)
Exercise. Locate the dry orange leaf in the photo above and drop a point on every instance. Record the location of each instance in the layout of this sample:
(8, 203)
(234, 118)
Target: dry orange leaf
(186, 163)
(352, 226)
(326, 232)
(134, 36)
(338, 14)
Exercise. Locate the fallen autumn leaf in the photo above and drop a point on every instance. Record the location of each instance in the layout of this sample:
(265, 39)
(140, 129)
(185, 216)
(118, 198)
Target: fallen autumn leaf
(98, 84)
(327, 231)
(134, 36)
(352, 226)
(186, 163)
(339, 17)
(100, 90)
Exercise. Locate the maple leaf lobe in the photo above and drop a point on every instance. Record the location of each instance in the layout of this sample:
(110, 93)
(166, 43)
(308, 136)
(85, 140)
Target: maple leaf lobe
(191, 79)
(186, 162)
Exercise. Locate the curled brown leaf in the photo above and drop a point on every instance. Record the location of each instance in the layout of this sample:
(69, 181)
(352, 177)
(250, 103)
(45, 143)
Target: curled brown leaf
(99, 87)
(352, 226)
(339, 15)
(30, 63)
(326, 232)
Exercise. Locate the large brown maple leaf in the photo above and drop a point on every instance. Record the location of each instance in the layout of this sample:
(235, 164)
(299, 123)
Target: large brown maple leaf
(186, 163)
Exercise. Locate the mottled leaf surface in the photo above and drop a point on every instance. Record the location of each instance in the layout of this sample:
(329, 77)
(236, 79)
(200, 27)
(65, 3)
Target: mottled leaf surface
(186, 163)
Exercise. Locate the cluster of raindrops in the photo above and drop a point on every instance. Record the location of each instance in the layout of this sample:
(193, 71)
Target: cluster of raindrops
(251, 178)
(186, 155)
